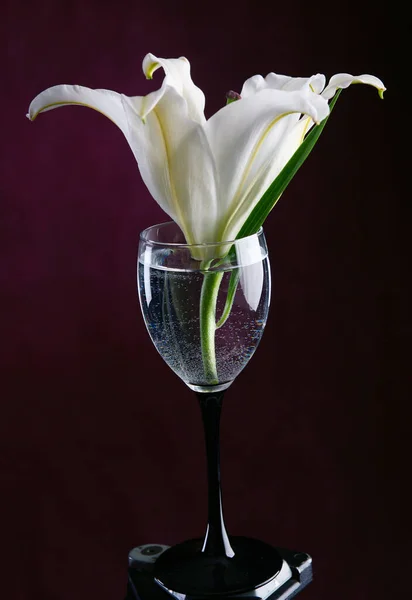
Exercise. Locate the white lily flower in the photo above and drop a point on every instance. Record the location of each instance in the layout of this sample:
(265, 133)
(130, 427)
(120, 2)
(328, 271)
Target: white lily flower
(208, 175)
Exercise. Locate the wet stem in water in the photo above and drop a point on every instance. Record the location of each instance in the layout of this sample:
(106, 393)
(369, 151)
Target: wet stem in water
(208, 300)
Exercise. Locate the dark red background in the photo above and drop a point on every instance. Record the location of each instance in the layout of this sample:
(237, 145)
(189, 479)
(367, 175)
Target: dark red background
(100, 443)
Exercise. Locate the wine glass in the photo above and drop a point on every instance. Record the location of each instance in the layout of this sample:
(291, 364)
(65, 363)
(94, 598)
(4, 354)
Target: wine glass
(205, 308)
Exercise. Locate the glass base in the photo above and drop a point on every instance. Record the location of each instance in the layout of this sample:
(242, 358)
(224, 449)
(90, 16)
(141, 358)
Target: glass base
(185, 569)
(209, 389)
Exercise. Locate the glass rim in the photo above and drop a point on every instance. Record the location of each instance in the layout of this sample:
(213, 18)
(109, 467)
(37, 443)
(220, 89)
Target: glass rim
(144, 238)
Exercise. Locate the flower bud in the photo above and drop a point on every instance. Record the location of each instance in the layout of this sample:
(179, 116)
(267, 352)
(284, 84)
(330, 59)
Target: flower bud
(232, 97)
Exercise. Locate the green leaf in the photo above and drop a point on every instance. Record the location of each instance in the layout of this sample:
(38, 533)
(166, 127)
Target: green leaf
(258, 215)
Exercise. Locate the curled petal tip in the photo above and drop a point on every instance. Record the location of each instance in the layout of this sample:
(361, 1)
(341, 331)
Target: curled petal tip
(149, 67)
(381, 92)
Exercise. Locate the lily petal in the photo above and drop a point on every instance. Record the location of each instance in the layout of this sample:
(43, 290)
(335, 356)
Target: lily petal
(344, 80)
(249, 254)
(176, 164)
(104, 101)
(282, 82)
(268, 172)
(177, 71)
(179, 172)
(245, 135)
(252, 86)
(126, 114)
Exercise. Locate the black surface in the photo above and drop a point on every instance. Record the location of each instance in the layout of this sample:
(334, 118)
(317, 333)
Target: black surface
(141, 584)
(186, 569)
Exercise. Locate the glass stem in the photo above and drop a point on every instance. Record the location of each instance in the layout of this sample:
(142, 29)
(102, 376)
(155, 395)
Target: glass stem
(216, 542)
(208, 300)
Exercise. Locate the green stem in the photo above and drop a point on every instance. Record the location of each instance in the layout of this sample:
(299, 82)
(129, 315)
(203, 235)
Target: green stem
(234, 280)
(208, 300)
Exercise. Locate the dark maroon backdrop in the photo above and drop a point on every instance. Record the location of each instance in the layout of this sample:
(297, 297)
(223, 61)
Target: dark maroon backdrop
(101, 445)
